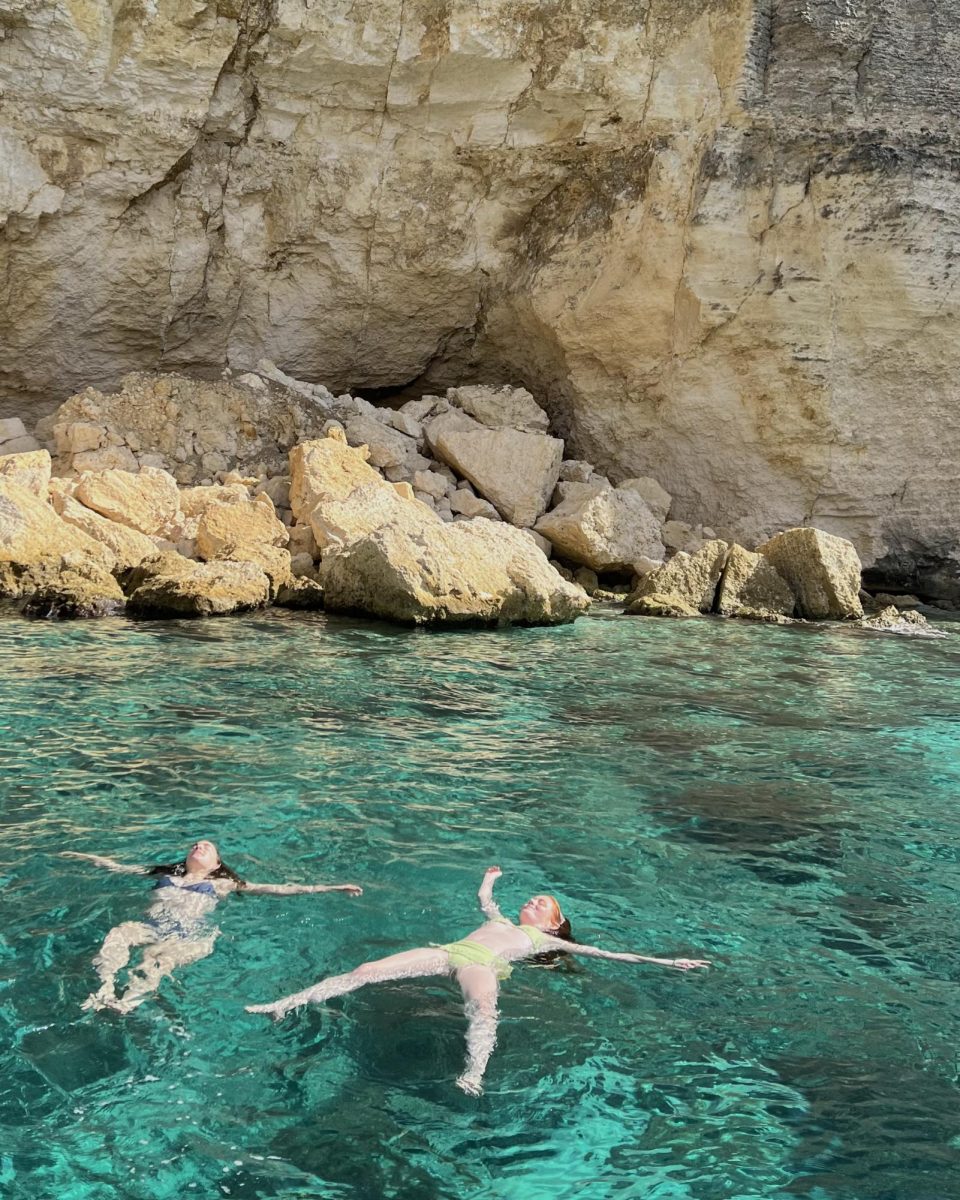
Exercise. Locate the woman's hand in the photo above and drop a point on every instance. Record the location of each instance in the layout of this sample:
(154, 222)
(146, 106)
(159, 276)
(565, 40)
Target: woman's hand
(492, 873)
(352, 889)
(689, 964)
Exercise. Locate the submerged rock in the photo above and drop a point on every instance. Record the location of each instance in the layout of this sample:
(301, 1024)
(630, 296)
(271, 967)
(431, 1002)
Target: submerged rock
(473, 572)
(659, 604)
(823, 572)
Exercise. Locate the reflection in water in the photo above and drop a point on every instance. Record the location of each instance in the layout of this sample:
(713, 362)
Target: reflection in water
(781, 800)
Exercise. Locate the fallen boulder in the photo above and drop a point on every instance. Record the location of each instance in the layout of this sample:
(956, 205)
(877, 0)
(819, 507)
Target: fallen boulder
(241, 523)
(189, 589)
(515, 471)
(31, 470)
(751, 581)
(822, 570)
(687, 582)
(128, 546)
(32, 532)
(606, 529)
(503, 407)
(76, 588)
(146, 501)
(471, 573)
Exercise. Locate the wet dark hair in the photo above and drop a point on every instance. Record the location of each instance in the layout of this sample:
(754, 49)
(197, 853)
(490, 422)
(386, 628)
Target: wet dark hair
(180, 868)
(556, 958)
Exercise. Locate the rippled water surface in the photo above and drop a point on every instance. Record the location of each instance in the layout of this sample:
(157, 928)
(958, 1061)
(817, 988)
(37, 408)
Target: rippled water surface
(783, 801)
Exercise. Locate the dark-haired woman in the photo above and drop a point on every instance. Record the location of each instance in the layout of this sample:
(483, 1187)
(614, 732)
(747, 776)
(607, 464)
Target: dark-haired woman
(478, 962)
(175, 931)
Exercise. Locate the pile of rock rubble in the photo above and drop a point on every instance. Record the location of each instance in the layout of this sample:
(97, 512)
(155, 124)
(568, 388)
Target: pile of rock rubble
(181, 497)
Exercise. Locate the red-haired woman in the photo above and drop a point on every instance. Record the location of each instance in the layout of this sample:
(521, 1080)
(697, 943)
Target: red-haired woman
(478, 962)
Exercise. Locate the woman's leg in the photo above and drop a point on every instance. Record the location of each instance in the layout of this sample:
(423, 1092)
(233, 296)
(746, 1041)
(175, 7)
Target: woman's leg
(159, 961)
(411, 964)
(113, 956)
(480, 987)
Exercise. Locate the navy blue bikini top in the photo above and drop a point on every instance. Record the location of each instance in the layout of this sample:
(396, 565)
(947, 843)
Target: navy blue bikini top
(203, 888)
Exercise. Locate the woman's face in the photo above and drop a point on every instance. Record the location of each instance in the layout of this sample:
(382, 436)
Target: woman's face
(203, 858)
(542, 911)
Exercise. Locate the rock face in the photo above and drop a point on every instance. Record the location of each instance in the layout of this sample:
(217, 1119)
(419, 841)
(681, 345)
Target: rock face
(477, 572)
(714, 236)
(823, 571)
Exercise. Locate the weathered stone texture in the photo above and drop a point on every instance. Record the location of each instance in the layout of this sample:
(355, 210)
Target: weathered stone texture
(715, 238)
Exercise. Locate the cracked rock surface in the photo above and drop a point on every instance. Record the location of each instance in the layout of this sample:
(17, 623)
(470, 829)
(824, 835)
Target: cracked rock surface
(715, 239)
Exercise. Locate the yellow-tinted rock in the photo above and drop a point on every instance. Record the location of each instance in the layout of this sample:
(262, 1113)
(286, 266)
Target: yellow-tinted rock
(31, 531)
(31, 470)
(822, 570)
(751, 581)
(145, 501)
(128, 546)
(201, 590)
(474, 572)
(244, 523)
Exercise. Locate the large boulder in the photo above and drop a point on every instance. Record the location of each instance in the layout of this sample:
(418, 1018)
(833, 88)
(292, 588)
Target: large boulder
(32, 532)
(341, 497)
(225, 527)
(515, 471)
(474, 572)
(194, 501)
(128, 546)
(339, 522)
(688, 581)
(606, 529)
(30, 469)
(822, 570)
(76, 587)
(147, 500)
(751, 582)
(503, 407)
(387, 447)
(187, 589)
(326, 469)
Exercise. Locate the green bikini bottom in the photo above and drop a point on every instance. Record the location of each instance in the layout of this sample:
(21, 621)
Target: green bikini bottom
(466, 953)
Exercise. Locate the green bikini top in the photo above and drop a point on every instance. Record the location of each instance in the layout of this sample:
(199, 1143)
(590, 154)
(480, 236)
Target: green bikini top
(537, 936)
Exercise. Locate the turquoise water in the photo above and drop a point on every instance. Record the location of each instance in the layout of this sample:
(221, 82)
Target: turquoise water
(783, 801)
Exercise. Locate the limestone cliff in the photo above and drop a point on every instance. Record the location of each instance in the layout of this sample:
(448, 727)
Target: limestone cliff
(716, 238)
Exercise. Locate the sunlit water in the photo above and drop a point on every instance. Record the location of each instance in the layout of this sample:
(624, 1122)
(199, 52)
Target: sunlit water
(783, 801)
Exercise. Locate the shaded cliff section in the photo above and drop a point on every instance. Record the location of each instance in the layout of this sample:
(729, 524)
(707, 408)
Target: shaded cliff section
(716, 238)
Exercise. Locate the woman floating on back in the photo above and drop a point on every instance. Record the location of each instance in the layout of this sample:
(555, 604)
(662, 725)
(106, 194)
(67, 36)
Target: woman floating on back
(175, 931)
(478, 962)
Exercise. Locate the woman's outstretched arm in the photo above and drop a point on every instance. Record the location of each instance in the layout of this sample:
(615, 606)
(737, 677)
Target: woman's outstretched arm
(679, 964)
(301, 889)
(489, 906)
(109, 863)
